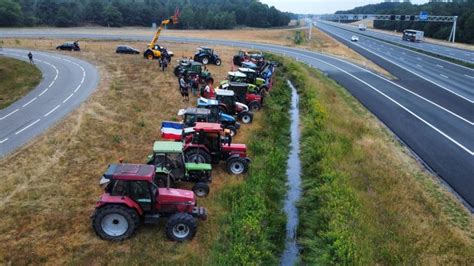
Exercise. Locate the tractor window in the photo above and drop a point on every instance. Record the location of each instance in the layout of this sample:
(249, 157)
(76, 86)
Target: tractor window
(189, 120)
(119, 188)
(140, 192)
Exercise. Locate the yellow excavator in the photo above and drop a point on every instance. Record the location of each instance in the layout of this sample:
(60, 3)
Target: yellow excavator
(155, 51)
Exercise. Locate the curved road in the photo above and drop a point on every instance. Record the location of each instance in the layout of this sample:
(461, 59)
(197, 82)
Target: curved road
(444, 50)
(67, 81)
(441, 137)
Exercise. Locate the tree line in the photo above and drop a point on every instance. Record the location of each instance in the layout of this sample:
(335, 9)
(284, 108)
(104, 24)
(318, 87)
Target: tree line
(202, 14)
(464, 11)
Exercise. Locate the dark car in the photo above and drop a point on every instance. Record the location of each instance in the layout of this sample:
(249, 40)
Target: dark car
(206, 55)
(124, 49)
(70, 46)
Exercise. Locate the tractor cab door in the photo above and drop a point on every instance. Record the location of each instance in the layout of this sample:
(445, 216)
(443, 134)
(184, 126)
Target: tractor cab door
(213, 143)
(141, 193)
(189, 120)
(214, 117)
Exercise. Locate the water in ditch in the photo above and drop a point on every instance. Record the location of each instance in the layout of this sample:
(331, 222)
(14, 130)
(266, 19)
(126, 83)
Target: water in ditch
(291, 254)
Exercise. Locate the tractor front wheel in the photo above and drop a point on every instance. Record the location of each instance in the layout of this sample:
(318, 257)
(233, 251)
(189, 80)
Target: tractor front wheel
(115, 222)
(181, 227)
(197, 156)
(201, 189)
(218, 62)
(237, 166)
(246, 118)
(254, 106)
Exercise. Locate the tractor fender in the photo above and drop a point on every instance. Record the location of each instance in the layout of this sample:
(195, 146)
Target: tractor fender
(191, 146)
(107, 199)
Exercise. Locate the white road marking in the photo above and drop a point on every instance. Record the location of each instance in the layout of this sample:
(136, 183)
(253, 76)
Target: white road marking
(69, 97)
(32, 100)
(77, 88)
(28, 126)
(43, 92)
(2, 141)
(439, 66)
(444, 76)
(54, 109)
(12, 112)
(468, 76)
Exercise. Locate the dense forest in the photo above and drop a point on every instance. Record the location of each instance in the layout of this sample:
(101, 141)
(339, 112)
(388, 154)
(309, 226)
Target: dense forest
(464, 10)
(202, 14)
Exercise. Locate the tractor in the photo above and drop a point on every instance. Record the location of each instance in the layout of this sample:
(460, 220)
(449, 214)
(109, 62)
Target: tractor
(193, 115)
(206, 55)
(242, 93)
(190, 68)
(228, 104)
(245, 56)
(247, 75)
(204, 143)
(131, 196)
(168, 158)
(154, 51)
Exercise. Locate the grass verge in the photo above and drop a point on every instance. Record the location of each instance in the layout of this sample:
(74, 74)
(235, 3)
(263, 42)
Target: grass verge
(365, 199)
(254, 226)
(17, 79)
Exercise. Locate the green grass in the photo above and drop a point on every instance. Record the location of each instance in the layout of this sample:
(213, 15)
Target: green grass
(365, 199)
(254, 226)
(17, 79)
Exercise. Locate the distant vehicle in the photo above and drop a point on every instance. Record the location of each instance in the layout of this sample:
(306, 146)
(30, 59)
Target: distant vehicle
(206, 55)
(362, 27)
(125, 49)
(354, 38)
(413, 35)
(70, 46)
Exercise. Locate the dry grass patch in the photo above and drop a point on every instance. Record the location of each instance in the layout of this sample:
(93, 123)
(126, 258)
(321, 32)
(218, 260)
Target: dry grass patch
(49, 187)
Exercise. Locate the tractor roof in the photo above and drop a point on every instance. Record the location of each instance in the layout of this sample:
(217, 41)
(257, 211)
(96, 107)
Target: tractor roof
(204, 47)
(198, 111)
(224, 92)
(204, 101)
(238, 84)
(168, 146)
(237, 74)
(130, 172)
(243, 69)
(208, 127)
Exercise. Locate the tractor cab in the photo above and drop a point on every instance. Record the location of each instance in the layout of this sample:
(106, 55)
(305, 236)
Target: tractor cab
(131, 196)
(252, 76)
(193, 115)
(216, 115)
(228, 104)
(236, 77)
(205, 50)
(245, 93)
(168, 158)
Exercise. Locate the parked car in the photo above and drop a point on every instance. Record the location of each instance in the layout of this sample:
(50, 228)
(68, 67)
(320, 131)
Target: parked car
(354, 38)
(125, 49)
(69, 46)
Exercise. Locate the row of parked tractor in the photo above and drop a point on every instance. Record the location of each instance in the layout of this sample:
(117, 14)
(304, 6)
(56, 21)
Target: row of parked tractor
(145, 193)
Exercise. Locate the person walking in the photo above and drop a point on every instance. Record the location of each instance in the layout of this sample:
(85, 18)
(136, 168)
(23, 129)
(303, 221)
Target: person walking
(183, 88)
(30, 56)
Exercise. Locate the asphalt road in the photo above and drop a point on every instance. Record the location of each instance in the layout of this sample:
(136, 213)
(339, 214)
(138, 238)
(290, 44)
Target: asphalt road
(450, 52)
(67, 81)
(441, 137)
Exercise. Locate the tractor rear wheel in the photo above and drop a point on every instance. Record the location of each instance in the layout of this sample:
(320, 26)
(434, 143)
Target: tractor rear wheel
(149, 55)
(205, 60)
(218, 62)
(115, 222)
(201, 189)
(197, 156)
(237, 166)
(254, 106)
(181, 227)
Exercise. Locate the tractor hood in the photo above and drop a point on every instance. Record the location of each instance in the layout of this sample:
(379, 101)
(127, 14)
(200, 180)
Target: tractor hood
(235, 147)
(198, 167)
(176, 196)
(227, 118)
(242, 106)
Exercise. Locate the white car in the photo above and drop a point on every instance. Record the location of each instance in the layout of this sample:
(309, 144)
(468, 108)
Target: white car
(354, 38)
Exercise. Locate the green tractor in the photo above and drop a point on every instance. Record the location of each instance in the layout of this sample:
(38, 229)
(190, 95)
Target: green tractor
(191, 68)
(171, 167)
(247, 75)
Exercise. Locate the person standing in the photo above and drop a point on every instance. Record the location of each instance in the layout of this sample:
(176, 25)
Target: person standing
(184, 88)
(209, 92)
(30, 56)
(195, 85)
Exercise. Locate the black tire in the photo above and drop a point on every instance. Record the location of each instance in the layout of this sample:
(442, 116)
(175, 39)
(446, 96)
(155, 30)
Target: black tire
(237, 166)
(255, 106)
(161, 180)
(181, 227)
(197, 156)
(205, 60)
(149, 55)
(246, 118)
(218, 62)
(233, 130)
(114, 215)
(201, 189)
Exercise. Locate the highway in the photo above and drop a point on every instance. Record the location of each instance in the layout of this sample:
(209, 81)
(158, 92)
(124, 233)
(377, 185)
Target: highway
(433, 122)
(446, 51)
(66, 82)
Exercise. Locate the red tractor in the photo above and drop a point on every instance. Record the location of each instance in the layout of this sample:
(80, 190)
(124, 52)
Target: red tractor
(204, 143)
(242, 94)
(131, 196)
